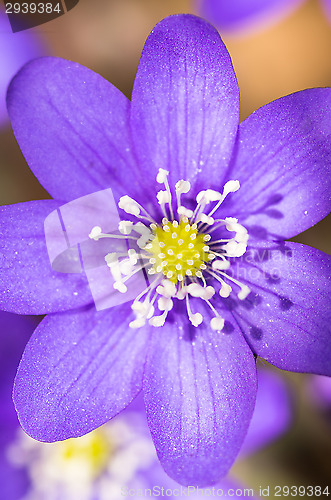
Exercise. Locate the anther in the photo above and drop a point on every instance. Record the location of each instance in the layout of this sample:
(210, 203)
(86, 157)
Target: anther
(217, 323)
(162, 175)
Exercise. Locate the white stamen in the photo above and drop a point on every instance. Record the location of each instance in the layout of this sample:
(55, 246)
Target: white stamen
(196, 319)
(95, 233)
(129, 205)
(137, 323)
(140, 228)
(167, 289)
(234, 249)
(163, 197)
(118, 285)
(211, 195)
(201, 197)
(230, 187)
(195, 290)
(182, 187)
(158, 320)
(205, 219)
(132, 256)
(222, 265)
(208, 293)
(125, 226)
(182, 292)
(165, 304)
(184, 211)
(217, 323)
(244, 292)
(126, 267)
(225, 290)
(162, 175)
(141, 242)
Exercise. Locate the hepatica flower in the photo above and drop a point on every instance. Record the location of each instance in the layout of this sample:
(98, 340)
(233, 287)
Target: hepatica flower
(239, 15)
(204, 282)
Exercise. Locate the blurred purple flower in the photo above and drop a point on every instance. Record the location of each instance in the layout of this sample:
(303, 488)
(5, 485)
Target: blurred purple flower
(319, 389)
(248, 15)
(79, 134)
(16, 50)
(116, 458)
(326, 4)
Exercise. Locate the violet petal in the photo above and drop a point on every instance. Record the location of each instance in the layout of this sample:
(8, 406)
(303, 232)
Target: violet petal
(72, 127)
(199, 390)
(27, 282)
(286, 318)
(283, 163)
(185, 103)
(78, 371)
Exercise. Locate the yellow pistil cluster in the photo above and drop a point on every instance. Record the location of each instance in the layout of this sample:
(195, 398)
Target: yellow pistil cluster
(92, 450)
(178, 250)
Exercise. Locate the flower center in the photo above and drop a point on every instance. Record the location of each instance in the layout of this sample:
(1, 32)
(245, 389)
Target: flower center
(86, 467)
(93, 451)
(178, 250)
(187, 255)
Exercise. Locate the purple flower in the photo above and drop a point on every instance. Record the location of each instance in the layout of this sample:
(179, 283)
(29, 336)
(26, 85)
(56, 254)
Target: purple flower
(15, 332)
(239, 15)
(326, 4)
(17, 49)
(189, 339)
(319, 390)
(112, 461)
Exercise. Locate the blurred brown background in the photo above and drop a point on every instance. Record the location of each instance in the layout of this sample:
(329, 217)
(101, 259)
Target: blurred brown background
(108, 36)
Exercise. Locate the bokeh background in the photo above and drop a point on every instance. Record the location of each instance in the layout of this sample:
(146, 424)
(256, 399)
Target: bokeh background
(292, 54)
